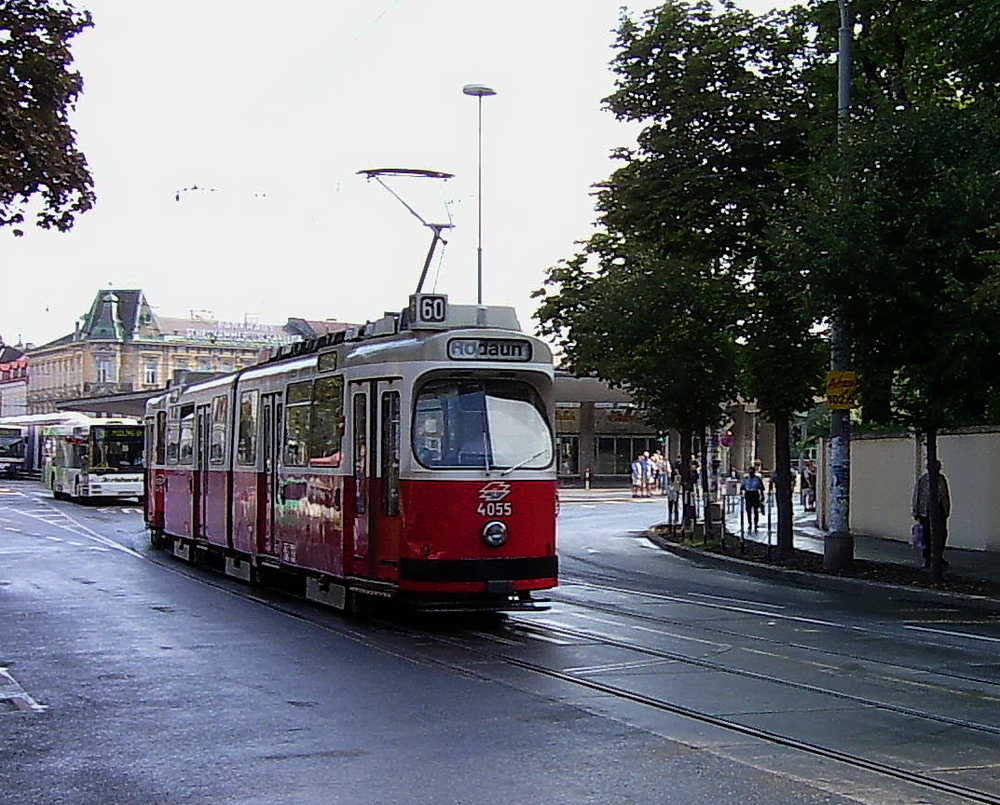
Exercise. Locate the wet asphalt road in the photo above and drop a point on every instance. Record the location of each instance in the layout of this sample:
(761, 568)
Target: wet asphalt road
(131, 678)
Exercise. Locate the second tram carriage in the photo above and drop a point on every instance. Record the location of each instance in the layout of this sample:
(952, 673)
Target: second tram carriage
(410, 459)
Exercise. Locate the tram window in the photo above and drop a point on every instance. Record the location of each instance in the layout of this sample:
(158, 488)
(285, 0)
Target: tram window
(327, 422)
(220, 420)
(246, 452)
(173, 441)
(160, 438)
(298, 409)
(390, 453)
(360, 418)
(186, 455)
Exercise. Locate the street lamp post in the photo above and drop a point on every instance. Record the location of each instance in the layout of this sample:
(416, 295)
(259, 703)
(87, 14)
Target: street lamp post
(479, 91)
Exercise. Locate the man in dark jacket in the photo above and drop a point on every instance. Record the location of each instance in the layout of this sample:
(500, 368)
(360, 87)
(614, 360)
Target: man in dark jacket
(921, 506)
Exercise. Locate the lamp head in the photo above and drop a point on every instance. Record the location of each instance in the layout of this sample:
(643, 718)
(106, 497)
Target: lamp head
(479, 90)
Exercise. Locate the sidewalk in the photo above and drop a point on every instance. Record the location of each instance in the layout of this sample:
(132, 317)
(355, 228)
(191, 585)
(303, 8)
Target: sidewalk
(806, 536)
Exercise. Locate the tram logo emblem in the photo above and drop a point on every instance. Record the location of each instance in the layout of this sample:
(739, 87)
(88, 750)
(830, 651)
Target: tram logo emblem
(494, 491)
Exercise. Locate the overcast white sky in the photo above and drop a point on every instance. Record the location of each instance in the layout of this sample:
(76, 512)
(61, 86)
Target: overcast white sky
(274, 107)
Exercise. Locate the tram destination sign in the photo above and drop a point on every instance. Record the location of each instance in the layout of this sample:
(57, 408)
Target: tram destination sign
(489, 349)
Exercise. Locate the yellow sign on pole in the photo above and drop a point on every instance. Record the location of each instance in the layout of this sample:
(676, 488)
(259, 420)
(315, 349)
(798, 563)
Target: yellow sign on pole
(841, 390)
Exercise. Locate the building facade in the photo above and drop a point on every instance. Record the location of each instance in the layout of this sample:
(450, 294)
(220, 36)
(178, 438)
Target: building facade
(121, 346)
(13, 381)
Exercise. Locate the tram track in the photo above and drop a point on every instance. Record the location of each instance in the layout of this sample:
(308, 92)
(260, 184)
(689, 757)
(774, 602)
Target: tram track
(414, 643)
(965, 793)
(743, 608)
(492, 650)
(711, 665)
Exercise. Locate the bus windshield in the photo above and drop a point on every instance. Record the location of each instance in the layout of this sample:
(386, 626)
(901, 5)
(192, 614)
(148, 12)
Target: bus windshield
(116, 448)
(490, 424)
(11, 442)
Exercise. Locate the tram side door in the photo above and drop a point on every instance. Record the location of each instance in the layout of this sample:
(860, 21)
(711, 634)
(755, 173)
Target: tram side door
(375, 414)
(386, 515)
(199, 496)
(270, 445)
(362, 539)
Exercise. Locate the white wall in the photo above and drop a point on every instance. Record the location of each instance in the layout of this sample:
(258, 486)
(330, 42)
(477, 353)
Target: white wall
(883, 471)
(882, 475)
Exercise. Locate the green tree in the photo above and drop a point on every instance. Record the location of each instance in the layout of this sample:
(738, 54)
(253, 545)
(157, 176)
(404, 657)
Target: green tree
(43, 176)
(662, 330)
(783, 358)
(728, 130)
(906, 260)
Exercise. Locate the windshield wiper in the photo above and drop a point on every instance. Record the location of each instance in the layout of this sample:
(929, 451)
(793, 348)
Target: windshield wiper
(528, 460)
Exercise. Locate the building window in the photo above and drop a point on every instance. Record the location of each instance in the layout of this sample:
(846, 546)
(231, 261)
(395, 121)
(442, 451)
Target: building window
(568, 451)
(152, 371)
(105, 370)
(616, 453)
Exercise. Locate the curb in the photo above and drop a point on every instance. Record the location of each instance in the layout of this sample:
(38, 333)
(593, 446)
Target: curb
(816, 580)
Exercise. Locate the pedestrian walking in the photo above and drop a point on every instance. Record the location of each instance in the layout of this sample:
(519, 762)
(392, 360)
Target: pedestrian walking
(809, 487)
(934, 542)
(753, 497)
(674, 489)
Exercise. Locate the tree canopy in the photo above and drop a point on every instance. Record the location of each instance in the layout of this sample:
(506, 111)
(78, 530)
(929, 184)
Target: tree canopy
(739, 189)
(44, 178)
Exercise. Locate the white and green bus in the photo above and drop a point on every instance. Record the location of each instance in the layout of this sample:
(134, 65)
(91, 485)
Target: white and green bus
(94, 458)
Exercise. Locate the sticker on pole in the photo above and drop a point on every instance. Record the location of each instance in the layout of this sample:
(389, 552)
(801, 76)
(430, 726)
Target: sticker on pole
(841, 390)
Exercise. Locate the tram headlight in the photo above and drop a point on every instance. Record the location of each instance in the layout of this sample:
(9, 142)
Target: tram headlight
(495, 533)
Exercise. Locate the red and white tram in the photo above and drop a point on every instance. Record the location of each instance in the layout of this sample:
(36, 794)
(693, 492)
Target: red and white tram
(410, 459)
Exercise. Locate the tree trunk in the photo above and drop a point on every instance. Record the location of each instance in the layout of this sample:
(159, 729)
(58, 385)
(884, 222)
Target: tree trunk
(689, 514)
(782, 480)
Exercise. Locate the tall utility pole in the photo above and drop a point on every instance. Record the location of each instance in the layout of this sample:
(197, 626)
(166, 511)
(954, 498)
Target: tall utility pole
(479, 91)
(838, 545)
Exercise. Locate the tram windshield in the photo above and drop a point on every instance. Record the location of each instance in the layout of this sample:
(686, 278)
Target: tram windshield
(116, 448)
(492, 424)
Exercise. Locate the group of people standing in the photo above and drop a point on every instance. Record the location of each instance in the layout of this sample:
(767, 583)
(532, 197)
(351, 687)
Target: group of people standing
(653, 474)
